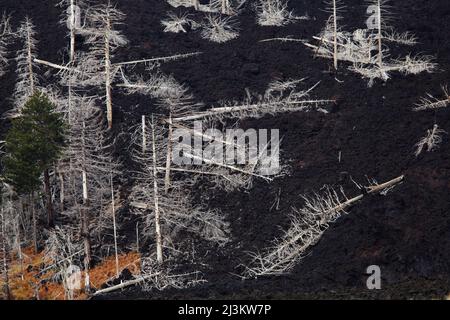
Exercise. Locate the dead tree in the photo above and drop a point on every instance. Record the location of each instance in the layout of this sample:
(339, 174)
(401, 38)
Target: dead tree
(104, 40)
(90, 174)
(335, 7)
(280, 97)
(16, 227)
(307, 227)
(216, 6)
(430, 102)
(275, 13)
(174, 100)
(72, 19)
(430, 141)
(6, 218)
(356, 47)
(217, 28)
(5, 35)
(177, 103)
(95, 67)
(26, 66)
(165, 214)
(63, 252)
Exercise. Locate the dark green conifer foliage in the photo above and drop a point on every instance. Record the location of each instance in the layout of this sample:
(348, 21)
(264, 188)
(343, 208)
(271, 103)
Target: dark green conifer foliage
(33, 144)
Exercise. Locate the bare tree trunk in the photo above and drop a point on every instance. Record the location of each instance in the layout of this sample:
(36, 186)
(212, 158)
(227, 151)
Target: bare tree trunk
(380, 36)
(48, 193)
(169, 155)
(84, 216)
(61, 191)
(144, 135)
(225, 6)
(196, 4)
(113, 209)
(5, 258)
(159, 253)
(72, 30)
(30, 62)
(335, 55)
(108, 76)
(34, 219)
(19, 242)
(87, 243)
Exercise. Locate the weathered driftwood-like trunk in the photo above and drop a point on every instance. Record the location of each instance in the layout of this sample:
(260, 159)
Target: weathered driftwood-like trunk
(380, 35)
(34, 221)
(113, 212)
(159, 253)
(335, 44)
(48, 195)
(196, 4)
(169, 155)
(72, 22)
(85, 214)
(5, 253)
(108, 75)
(30, 60)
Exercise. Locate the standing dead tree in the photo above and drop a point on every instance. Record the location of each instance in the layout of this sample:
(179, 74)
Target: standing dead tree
(5, 34)
(173, 99)
(335, 6)
(104, 39)
(6, 237)
(26, 66)
(307, 227)
(166, 214)
(356, 47)
(177, 103)
(96, 68)
(72, 19)
(15, 230)
(91, 169)
(62, 252)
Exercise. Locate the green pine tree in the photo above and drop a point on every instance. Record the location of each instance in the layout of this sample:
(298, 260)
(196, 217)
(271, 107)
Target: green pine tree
(33, 144)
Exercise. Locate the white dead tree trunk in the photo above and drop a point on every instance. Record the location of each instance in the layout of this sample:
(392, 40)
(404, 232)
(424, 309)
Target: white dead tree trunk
(159, 253)
(104, 39)
(90, 193)
(432, 103)
(27, 79)
(173, 98)
(4, 250)
(196, 4)
(165, 214)
(430, 141)
(72, 20)
(5, 34)
(307, 227)
(378, 4)
(280, 97)
(336, 8)
(95, 68)
(226, 9)
(62, 252)
(113, 212)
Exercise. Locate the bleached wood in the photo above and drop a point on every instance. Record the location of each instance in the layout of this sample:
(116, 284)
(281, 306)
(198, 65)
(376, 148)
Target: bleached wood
(125, 284)
(159, 252)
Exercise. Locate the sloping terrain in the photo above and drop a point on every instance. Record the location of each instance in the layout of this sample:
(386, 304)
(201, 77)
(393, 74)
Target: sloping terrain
(406, 233)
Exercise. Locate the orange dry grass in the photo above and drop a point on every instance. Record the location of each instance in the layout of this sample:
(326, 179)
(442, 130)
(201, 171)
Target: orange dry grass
(25, 280)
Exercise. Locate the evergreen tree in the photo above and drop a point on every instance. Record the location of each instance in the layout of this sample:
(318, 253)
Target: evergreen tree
(33, 144)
